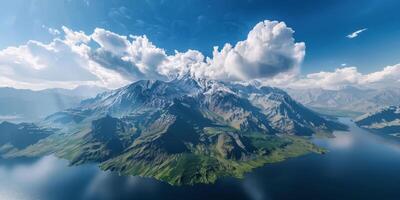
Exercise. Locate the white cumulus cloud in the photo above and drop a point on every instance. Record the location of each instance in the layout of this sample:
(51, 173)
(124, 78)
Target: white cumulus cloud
(69, 60)
(268, 54)
(61, 63)
(347, 76)
(269, 50)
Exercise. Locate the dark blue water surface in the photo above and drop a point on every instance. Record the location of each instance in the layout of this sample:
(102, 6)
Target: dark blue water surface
(359, 165)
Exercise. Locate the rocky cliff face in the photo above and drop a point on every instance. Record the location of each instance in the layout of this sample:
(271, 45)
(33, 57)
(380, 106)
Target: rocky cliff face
(245, 108)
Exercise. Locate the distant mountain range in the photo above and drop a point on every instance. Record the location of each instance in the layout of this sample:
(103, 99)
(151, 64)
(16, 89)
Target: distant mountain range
(348, 101)
(184, 131)
(19, 105)
(383, 121)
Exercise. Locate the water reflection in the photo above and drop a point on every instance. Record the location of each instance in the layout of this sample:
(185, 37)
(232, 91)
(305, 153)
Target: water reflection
(357, 162)
(47, 175)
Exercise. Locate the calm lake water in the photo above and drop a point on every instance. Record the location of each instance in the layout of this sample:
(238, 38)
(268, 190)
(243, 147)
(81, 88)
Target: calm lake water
(360, 165)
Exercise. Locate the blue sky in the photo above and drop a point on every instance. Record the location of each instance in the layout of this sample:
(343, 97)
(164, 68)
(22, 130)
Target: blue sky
(202, 24)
